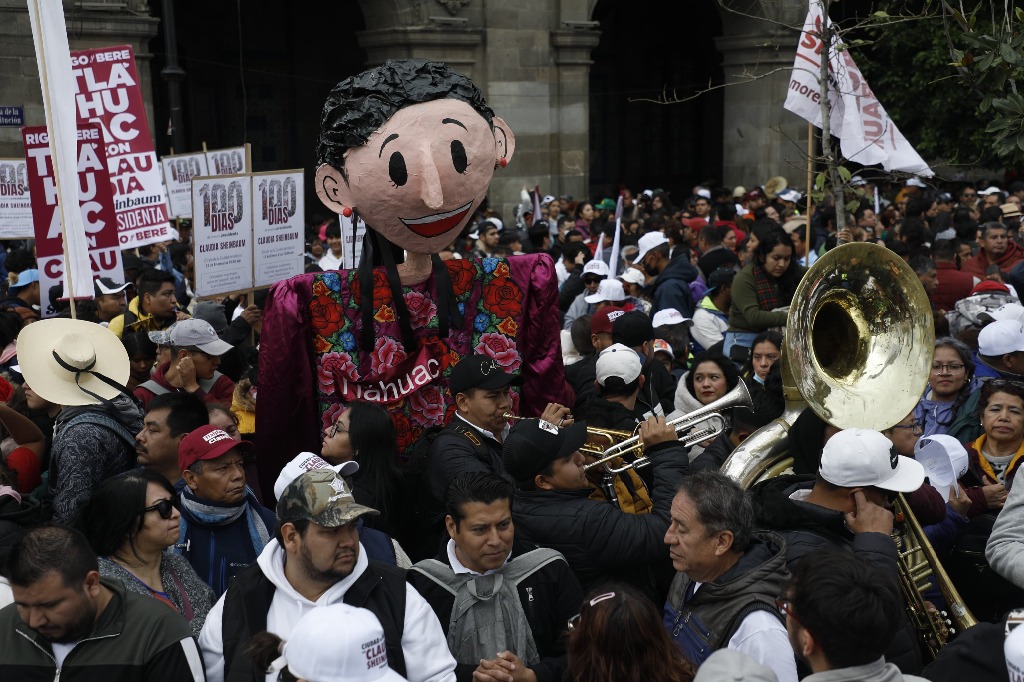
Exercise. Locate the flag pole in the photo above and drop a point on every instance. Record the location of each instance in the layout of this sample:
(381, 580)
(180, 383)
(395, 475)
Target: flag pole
(808, 244)
(50, 131)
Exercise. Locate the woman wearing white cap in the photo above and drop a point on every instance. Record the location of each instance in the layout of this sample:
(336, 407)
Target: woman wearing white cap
(337, 643)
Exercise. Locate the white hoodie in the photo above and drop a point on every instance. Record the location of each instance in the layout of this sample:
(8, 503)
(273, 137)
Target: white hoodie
(427, 658)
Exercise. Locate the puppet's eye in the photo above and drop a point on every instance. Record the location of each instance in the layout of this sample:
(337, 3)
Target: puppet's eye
(397, 170)
(459, 156)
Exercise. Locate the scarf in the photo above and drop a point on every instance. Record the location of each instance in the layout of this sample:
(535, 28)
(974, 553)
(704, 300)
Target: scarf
(766, 288)
(215, 514)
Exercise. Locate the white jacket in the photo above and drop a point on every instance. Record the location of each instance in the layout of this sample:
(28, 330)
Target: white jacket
(427, 658)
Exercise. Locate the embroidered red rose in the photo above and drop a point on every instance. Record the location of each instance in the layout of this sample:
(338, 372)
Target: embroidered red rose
(330, 415)
(405, 434)
(421, 309)
(381, 289)
(427, 405)
(386, 354)
(463, 274)
(501, 348)
(437, 349)
(325, 315)
(508, 327)
(320, 344)
(501, 270)
(331, 368)
(320, 289)
(503, 298)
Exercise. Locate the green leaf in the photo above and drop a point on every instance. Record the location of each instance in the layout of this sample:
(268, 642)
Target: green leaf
(1008, 55)
(1020, 141)
(844, 173)
(1020, 14)
(819, 181)
(881, 14)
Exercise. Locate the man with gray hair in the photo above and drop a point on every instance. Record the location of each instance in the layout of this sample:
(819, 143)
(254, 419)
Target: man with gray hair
(728, 576)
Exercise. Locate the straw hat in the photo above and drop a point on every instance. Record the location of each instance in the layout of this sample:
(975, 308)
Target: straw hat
(66, 360)
(775, 184)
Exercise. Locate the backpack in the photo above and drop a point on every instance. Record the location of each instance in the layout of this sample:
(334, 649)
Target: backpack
(487, 614)
(967, 311)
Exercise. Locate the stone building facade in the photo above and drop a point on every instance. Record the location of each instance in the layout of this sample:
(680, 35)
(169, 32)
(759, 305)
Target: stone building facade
(534, 59)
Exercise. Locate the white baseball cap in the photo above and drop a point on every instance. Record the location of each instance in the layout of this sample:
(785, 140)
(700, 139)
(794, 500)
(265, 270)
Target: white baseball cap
(992, 189)
(596, 267)
(618, 360)
(668, 316)
(649, 241)
(662, 346)
(307, 461)
(916, 182)
(855, 458)
(339, 643)
(1001, 337)
(607, 290)
(704, 192)
(633, 276)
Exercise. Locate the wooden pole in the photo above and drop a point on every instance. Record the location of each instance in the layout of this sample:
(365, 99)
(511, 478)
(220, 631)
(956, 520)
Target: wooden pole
(810, 176)
(53, 159)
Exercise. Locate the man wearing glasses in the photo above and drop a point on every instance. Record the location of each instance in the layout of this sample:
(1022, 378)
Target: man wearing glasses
(594, 272)
(848, 505)
(727, 576)
(841, 613)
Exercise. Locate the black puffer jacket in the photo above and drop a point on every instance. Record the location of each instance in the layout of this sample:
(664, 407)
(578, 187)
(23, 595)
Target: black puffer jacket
(807, 527)
(597, 539)
(15, 518)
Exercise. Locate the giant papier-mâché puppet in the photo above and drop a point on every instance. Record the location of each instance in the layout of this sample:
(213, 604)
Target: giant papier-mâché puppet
(410, 147)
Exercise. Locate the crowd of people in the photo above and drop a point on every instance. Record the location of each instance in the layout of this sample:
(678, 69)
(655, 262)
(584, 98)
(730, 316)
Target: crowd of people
(135, 536)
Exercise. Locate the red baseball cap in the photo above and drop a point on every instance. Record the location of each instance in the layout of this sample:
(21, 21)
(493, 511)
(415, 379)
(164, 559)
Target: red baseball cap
(206, 442)
(601, 322)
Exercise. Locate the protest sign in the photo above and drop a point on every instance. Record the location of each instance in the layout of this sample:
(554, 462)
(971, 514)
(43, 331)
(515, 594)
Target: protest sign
(178, 172)
(15, 205)
(278, 226)
(230, 161)
(96, 202)
(222, 233)
(107, 93)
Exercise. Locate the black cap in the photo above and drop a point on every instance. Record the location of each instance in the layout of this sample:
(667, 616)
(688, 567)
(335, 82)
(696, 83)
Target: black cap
(479, 371)
(632, 329)
(720, 277)
(529, 447)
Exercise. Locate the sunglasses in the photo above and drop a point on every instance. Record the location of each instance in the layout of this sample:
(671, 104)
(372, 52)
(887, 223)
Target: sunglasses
(164, 507)
(592, 280)
(785, 607)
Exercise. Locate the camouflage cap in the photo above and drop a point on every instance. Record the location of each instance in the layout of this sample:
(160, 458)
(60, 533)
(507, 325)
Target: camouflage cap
(320, 496)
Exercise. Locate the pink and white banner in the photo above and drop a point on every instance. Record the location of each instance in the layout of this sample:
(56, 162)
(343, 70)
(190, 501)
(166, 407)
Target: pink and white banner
(107, 93)
(15, 200)
(866, 133)
(96, 210)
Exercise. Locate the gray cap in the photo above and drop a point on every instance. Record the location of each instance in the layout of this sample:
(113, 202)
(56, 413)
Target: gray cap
(321, 496)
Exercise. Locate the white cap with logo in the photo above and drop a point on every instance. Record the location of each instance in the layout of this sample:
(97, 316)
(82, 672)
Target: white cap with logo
(858, 458)
(307, 461)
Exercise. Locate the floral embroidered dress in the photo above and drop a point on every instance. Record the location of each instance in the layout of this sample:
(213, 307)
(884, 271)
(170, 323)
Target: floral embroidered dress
(311, 363)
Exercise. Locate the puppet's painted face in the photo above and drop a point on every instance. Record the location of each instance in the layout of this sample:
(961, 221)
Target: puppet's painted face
(420, 177)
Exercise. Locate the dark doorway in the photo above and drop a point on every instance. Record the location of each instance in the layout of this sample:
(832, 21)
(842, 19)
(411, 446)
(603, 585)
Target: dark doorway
(644, 52)
(270, 91)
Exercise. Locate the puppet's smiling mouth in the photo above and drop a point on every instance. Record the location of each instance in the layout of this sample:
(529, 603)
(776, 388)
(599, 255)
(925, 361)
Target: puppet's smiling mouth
(439, 223)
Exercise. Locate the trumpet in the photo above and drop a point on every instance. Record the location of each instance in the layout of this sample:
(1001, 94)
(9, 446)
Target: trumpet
(712, 413)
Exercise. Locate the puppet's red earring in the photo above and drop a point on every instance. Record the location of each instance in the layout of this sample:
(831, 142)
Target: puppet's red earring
(347, 212)
(501, 162)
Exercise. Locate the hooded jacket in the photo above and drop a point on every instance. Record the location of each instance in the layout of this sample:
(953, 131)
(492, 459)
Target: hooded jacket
(806, 527)
(91, 443)
(423, 644)
(716, 611)
(134, 320)
(672, 288)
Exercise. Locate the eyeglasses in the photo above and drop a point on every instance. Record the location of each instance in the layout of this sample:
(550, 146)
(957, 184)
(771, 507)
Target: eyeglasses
(785, 607)
(965, 195)
(335, 429)
(917, 426)
(574, 621)
(163, 507)
(947, 368)
(592, 280)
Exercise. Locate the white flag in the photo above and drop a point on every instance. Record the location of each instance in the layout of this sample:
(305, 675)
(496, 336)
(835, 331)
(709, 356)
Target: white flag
(866, 133)
(53, 56)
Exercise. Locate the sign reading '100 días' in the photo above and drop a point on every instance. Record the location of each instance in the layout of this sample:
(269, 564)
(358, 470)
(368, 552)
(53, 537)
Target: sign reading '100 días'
(278, 229)
(222, 233)
(178, 173)
(15, 204)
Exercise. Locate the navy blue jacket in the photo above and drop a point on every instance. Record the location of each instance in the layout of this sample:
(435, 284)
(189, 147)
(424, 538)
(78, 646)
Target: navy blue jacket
(672, 288)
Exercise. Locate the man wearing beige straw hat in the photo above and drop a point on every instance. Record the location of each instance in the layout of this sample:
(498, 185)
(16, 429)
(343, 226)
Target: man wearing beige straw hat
(83, 367)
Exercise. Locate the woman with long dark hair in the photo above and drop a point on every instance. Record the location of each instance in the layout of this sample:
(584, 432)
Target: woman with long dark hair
(712, 376)
(760, 289)
(141, 356)
(765, 351)
(950, 383)
(365, 433)
(129, 521)
(619, 636)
